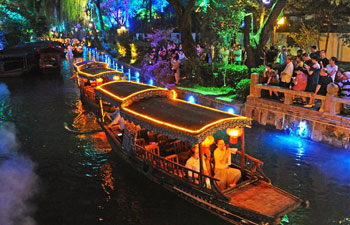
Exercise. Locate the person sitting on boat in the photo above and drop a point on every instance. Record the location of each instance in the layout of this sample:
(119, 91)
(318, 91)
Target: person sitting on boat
(193, 164)
(228, 176)
(117, 119)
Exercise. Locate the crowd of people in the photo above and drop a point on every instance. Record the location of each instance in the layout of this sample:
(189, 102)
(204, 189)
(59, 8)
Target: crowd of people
(175, 55)
(305, 72)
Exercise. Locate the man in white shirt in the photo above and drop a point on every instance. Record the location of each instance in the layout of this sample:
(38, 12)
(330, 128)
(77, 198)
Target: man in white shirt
(228, 177)
(287, 73)
(332, 68)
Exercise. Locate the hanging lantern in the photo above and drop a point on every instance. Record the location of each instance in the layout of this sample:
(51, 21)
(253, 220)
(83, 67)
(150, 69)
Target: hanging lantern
(116, 77)
(234, 134)
(99, 81)
(209, 140)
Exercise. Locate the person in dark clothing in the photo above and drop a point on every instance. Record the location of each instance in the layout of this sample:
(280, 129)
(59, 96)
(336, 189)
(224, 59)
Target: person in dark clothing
(271, 55)
(313, 73)
(314, 53)
(323, 61)
(321, 88)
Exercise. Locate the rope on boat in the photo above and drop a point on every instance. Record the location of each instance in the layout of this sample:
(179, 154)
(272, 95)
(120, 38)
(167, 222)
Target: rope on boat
(65, 124)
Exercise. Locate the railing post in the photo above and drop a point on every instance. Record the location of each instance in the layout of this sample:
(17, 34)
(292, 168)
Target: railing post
(330, 106)
(254, 92)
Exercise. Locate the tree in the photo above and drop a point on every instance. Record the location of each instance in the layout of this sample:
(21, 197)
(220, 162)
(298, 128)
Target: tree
(185, 25)
(254, 43)
(224, 20)
(305, 37)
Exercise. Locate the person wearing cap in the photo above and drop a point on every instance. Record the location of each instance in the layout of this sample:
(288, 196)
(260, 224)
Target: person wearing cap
(341, 75)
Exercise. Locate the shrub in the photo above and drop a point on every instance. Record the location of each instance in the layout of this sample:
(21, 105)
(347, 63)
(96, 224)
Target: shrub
(160, 72)
(243, 88)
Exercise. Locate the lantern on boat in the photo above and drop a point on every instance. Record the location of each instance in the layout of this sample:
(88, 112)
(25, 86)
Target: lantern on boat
(209, 140)
(99, 81)
(116, 78)
(234, 134)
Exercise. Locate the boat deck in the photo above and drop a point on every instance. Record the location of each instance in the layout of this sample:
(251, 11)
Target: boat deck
(263, 198)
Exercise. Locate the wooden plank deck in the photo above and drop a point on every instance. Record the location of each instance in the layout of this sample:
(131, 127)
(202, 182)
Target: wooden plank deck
(263, 198)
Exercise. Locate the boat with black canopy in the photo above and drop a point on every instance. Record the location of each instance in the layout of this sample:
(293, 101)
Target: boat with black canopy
(154, 131)
(90, 76)
(89, 64)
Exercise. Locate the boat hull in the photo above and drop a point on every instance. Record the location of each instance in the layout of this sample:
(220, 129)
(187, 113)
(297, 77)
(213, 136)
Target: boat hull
(196, 196)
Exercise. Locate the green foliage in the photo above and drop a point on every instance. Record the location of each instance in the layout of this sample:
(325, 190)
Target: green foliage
(209, 90)
(243, 88)
(224, 20)
(259, 70)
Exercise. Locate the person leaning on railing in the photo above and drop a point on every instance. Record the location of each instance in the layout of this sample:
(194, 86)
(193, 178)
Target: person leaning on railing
(286, 74)
(313, 72)
(345, 91)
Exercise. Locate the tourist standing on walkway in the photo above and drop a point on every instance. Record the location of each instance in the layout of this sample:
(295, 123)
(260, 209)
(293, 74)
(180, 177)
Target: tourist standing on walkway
(286, 75)
(313, 72)
(176, 68)
(323, 61)
(332, 68)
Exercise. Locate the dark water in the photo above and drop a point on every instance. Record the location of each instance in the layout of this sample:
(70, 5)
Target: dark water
(80, 181)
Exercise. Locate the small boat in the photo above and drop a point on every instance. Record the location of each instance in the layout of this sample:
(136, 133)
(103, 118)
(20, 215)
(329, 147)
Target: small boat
(13, 64)
(50, 59)
(90, 76)
(158, 133)
(89, 64)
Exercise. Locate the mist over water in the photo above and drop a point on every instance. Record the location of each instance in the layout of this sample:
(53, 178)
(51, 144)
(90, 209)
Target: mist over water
(18, 181)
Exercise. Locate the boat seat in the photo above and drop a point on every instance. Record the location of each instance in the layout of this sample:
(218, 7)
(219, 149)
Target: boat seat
(152, 148)
(141, 142)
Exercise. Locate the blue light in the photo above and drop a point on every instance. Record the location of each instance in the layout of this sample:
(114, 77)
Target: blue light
(231, 110)
(302, 129)
(191, 99)
(127, 24)
(122, 68)
(150, 82)
(243, 24)
(138, 80)
(137, 74)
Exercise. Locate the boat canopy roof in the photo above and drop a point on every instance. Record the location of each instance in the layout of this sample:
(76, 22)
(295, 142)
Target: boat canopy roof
(96, 72)
(83, 63)
(88, 64)
(160, 111)
(117, 91)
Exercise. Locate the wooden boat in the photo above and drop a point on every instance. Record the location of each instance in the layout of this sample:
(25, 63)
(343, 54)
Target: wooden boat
(91, 76)
(13, 64)
(89, 64)
(50, 59)
(159, 131)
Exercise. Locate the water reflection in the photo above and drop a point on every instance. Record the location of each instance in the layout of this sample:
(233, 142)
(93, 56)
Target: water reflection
(313, 171)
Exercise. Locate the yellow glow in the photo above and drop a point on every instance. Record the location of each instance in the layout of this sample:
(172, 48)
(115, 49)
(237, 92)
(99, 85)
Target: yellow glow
(234, 132)
(174, 94)
(209, 140)
(134, 54)
(120, 98)
(122, 30)
(105, 65)
(116, 78)
(281, 21)
(96, 75)
(99, 81)
(178, 127)
(121, 49)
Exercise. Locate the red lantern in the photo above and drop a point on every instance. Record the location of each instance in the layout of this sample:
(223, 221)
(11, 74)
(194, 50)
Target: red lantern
(209, 140)
(234, 134)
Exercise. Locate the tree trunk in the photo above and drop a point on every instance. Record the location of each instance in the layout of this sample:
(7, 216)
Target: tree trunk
(184, 18)
(328, 30)
(254, 44)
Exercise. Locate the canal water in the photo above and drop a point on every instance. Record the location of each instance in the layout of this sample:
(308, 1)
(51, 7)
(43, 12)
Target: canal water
(57, 169)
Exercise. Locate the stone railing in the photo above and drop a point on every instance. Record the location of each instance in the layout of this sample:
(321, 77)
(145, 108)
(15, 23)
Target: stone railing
(332, 103)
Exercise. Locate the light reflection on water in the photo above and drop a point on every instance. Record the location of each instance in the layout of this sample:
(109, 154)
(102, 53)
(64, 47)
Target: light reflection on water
(315, 172)
(84, 183)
